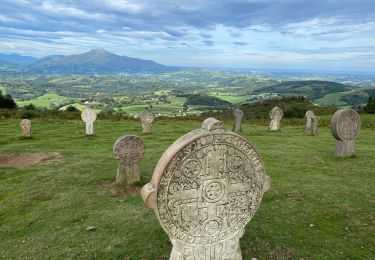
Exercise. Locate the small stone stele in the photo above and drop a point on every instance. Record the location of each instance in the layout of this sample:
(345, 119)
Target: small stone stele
(237, 124)
(128, 151)
(314, 125)
(26, 128)
(309, 115)
(276, 115)
(147, 118)
(89, 116)
(345, 126)
(205, 188)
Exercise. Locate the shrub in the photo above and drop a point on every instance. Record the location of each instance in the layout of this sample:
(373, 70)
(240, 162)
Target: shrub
(29, 107)
(7, 101)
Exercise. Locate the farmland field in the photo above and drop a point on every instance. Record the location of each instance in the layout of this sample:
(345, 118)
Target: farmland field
(319, 207)
(44, 101)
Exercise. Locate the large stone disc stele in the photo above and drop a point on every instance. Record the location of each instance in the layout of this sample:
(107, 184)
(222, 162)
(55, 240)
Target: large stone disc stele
(209, 184)
(345, 124)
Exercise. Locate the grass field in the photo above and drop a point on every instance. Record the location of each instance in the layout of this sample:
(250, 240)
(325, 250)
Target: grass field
(319, 207)
(332, 99)
(44, 101)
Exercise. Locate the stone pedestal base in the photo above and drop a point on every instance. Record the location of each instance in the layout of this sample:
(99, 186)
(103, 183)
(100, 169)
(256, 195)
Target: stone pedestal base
(127, 174)
(274, 126)
(345, 148)
(89, 129)
(147, 128)
(228, 249)
(237, 127)
(26, 133)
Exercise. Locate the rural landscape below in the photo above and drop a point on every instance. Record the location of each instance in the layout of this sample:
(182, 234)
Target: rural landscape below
(203, 131)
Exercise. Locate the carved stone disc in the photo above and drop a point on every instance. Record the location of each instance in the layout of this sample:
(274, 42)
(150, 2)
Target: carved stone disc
(25, 123)
(128, 149)
(209, 183)
(238, 113)
(88, 115)
(147, 116)
(345, 124)
(309, 114)
(276, 112)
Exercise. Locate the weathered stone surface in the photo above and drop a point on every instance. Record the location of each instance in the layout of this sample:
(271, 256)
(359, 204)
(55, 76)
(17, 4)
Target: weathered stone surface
(26, 127)
(89, 116)
(276, 115)
(147, 118)
(345, 126)
(204, 190)
(314, 125)
(309, 115)
(237, 124)
(128, 151)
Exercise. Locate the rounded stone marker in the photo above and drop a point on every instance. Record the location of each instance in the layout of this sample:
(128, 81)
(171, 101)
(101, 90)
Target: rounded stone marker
(89, 116)
(276, 114)
(25, 127)
(147, 118)
(309, 115)
(345, 126)
(205, 188)
(237, 124)
(128, 151)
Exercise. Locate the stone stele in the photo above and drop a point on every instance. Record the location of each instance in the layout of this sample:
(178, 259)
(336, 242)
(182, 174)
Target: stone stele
(237, 124)
(26, 127)
(89, 116)
(128, 151)
(314, 125)
(205, 188)
(309, 115)
(276, 114)
(147, 118)
(345, 126)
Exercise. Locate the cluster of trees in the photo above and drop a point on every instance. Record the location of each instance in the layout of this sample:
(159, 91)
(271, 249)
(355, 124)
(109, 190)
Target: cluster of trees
(370, 107)
(6, 101)
(205, 100)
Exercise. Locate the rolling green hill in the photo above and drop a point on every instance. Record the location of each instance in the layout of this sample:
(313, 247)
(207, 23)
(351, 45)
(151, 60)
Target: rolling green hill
(313, 89)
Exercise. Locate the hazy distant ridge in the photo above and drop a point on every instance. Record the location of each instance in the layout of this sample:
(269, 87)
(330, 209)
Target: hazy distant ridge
(94, 61)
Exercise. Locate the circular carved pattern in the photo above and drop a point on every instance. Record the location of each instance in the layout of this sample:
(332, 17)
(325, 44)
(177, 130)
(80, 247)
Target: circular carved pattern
(235, 163)
(88, 115)
(346, 124)
(192, 168)
(128, 149)
(213, 191)
(211, 227)
(210, 188)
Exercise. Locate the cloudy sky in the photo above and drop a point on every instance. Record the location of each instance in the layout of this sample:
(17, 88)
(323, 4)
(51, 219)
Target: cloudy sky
(290, 34)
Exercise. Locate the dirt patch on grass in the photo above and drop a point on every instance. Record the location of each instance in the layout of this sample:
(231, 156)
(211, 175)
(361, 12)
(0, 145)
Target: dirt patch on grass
(24, 160)
(111, 189)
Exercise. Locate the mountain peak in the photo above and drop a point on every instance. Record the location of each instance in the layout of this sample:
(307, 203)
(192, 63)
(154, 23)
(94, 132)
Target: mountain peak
(97, 61)
(99, 51)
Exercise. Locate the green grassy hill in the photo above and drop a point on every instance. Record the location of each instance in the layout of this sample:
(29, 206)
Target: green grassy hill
(313, 89)
(319, 207)
(293, 107)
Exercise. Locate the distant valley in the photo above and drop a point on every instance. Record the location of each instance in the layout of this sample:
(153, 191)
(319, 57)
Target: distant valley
(119, 84)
